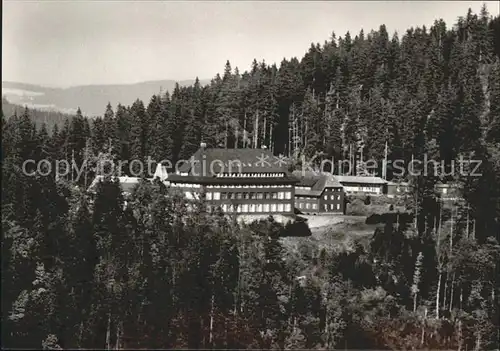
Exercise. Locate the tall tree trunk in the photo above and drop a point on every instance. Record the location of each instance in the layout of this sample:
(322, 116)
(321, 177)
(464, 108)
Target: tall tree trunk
(468, 231)
(245, 130)
(118, 335)
(326, 331)
(478, 341)
(459, 335)
(451, 234)
(271, 144)
(80, 334)
(264, 130)
(236, 136)
(445, 291)
(226, 135)
(438, 253)
(474, 229)
(211, 338)
(438, 293)
(422, 337)
(451, 292)
(108, 333)
(305, 133)
(461, 297)
(256, 130)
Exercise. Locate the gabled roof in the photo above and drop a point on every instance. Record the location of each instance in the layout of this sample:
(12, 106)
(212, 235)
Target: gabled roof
(160, 172)
(317, 182)
(331, 181)
(234, 160)
(361, 180)
(176, 178)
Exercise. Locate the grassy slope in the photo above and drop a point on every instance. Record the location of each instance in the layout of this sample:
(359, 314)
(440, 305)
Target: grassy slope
(333, 232)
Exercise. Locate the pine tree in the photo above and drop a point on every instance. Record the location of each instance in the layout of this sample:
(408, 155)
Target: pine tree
(123, 125)
(193, 133)
(155, 118)
(111, 271)
(110, 127)
(138, 137)
(313, 125)
(493, 132)
(333, 119)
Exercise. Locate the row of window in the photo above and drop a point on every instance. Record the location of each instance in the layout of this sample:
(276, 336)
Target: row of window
(332, 197)
(185, 185)
(309, 188)
(308, 205)
(247, 186)
(255, 208)
(250, 175)
(282, 195)
(366, 189)
(188, 185)
(314, 206)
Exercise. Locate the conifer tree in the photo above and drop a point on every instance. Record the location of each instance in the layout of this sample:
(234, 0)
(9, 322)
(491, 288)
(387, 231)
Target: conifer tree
(110, 127)
(138, 136)
(493, 131)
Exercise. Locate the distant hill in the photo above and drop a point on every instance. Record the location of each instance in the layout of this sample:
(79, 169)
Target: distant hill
(39, 116)
(92, 99)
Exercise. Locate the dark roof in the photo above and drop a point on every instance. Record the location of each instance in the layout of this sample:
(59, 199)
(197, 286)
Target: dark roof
(360, 180)
(251, 161)
(308, 182)
(176, 178)
(317, 182)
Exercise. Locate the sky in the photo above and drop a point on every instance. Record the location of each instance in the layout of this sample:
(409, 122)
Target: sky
(68, 43)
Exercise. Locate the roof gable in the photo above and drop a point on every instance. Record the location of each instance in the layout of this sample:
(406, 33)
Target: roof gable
(210, 161)
(317, 182)
(361, 180)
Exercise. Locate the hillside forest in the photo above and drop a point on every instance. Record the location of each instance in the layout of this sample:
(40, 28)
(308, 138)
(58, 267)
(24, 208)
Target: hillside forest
(144, 272)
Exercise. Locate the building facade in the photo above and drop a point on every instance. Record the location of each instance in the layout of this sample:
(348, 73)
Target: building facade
(127, 184)
(363, 185)
(395, 189)
(449, 191)
(239, 181)
(318, 193)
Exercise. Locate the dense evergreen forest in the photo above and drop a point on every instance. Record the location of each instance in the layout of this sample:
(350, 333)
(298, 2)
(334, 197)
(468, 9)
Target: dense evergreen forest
(148, 273)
